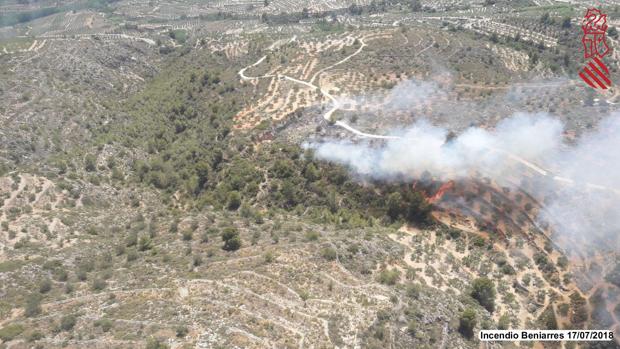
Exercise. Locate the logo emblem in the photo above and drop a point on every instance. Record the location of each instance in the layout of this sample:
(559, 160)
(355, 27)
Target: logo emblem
(595, 73)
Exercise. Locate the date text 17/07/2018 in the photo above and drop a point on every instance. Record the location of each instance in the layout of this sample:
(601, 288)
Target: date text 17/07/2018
(546, 335)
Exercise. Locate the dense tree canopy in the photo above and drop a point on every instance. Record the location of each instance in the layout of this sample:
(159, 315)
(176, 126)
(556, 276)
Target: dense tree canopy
(483, 290)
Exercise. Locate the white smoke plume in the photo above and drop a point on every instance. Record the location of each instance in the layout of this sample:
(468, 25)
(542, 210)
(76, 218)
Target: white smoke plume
(424, 147)
(580, 182)
(588, 211)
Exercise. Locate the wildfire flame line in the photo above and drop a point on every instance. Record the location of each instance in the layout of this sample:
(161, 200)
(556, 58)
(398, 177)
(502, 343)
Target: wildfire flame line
(442, 190)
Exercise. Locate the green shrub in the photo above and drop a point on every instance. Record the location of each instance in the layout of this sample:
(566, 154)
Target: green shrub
(132, 255)
(269, 257)
(504, 322)
(413, 290)
(412, 327)
(478, 241)
(45, 285)
(187, 235)
(132, 239)
(196, 260)
(232, 244)
(454, 234)
(145, 243)
(33, 305)
(312, 236)
(182, 331)
(389, 277)
(232, 241)
(508, 269)
(246, 211)
(467, 322)
(117, 174)
(10, 332)
(91, 230)
(483, 290)
(68, 288)
(234, 200)
(90, 163)
(152, 228)
(547, 319)
(4, 168)
(34, 336)
(119, 250)
(61, 275)
(81, 275)
(105, 324)
(562, 262)
(329, 253)
(67, 322)
(99, 284)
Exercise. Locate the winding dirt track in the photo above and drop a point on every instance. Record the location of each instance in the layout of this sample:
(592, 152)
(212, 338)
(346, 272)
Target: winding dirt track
(336, 105)
(335, 102)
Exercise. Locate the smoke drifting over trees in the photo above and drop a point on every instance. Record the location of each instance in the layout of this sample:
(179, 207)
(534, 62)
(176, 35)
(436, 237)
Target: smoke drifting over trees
(578, 183)
(424, 147)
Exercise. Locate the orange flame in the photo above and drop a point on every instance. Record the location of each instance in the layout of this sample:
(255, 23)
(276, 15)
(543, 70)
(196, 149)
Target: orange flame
(442, 190)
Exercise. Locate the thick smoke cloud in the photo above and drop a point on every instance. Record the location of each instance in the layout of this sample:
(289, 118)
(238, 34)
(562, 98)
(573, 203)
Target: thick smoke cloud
(424, 147)
(588, 211)
(580, 183)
